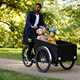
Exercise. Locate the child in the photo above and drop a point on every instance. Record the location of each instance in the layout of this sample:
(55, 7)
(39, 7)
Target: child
(41, 35)
(52, 38)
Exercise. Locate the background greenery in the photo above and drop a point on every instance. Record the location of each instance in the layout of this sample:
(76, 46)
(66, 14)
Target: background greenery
(12, 21)
(13, 14)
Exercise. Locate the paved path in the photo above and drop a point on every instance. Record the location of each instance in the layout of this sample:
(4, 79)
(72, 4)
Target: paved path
(55, 72)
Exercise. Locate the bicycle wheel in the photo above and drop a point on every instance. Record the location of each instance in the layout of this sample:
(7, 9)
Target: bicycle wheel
(43, 59)
(67, 64)
(26, 61)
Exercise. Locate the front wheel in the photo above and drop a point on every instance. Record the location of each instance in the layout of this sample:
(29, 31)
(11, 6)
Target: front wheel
(43, 60)
(26, 61)
(67, 64)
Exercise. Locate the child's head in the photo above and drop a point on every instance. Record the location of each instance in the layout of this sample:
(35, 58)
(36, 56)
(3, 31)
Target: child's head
(43, 28)
(52, 31)
(39, 31)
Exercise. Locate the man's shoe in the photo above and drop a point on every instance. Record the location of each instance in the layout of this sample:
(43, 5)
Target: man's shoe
(33, 60)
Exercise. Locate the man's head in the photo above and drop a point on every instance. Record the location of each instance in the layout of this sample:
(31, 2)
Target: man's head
(38, 7)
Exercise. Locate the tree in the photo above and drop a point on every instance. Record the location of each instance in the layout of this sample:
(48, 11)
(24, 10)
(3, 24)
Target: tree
(13, 14)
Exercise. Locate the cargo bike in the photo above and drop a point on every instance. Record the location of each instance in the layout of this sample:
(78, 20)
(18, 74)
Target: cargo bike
(46, 54)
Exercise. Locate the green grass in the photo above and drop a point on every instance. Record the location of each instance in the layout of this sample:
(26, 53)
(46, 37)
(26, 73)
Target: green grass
(12, 53)
(11, 75)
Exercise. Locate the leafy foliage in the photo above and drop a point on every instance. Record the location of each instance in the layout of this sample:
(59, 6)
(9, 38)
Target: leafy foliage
(13, 14)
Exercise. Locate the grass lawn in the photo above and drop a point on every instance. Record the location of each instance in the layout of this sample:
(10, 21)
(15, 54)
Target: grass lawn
(10, 75)
(12, 53)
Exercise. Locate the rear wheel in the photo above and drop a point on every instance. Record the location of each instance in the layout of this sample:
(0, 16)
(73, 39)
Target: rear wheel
(67, 64)
(43, 60)
(25, 58)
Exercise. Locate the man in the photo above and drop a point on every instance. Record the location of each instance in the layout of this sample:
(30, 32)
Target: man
(34, 21)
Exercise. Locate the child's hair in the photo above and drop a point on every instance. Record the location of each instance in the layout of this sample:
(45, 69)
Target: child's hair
(38, 30)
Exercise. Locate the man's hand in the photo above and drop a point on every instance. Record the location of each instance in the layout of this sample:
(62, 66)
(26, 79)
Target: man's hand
(34, 27)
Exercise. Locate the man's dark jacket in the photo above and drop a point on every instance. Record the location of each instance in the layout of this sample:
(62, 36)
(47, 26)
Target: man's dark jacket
(30, 22)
